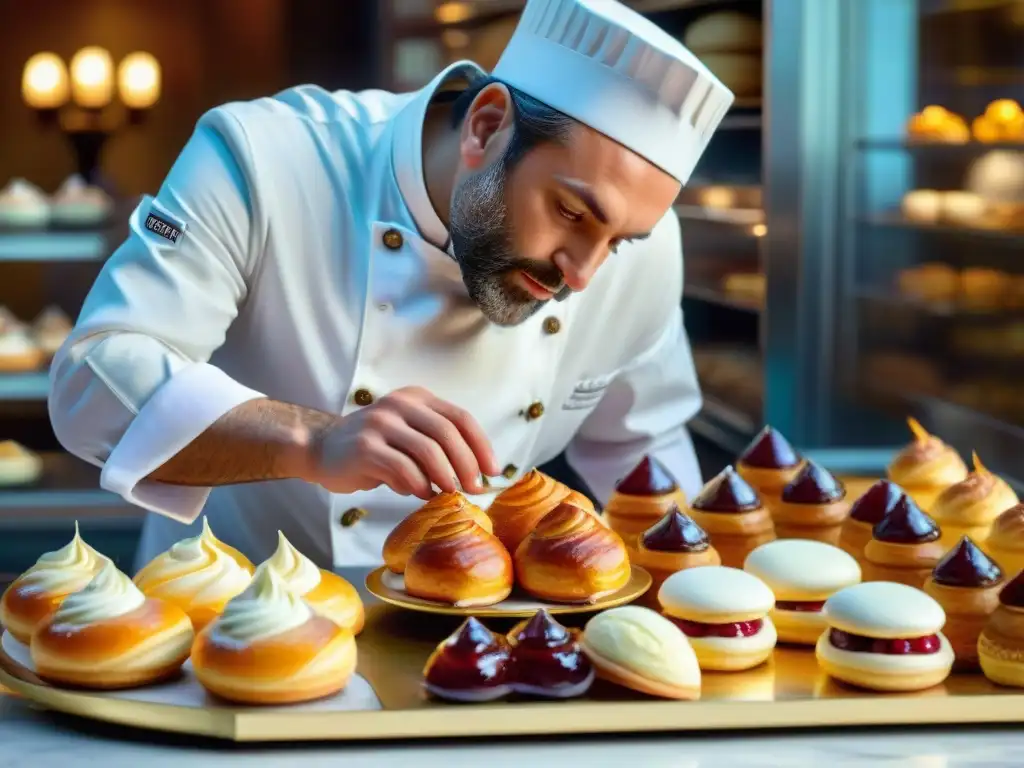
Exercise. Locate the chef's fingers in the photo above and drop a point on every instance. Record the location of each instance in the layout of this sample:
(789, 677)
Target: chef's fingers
(399, 472)
(473, 434)
(420, 416)
(422, 449)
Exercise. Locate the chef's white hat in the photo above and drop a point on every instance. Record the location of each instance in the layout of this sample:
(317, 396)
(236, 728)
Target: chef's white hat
(610, 68)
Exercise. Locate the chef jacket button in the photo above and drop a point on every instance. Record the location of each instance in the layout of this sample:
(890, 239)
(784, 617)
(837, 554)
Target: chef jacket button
(362, 397)
(535, 411)
(393, 239)
(509, 471)
(552, 325)
(352, 516)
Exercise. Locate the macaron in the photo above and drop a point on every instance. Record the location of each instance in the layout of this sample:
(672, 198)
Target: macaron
(639, 649)
(802, 574)
(885, 636)
(724, 613)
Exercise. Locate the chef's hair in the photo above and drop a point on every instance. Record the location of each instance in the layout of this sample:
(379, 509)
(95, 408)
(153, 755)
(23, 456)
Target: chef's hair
(534, 122)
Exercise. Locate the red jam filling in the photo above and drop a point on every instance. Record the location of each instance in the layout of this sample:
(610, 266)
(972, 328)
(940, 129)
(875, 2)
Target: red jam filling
(769, 450)
(845, 641)
(727, 492)
(734, 629)
(803, 606)
(475, 658)
(649, 478)
(813, 485)
(546, 656)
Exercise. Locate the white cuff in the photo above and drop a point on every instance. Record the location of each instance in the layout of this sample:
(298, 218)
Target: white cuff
(180, 410)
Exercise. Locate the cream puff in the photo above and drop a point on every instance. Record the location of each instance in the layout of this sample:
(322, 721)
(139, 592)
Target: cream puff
(966, 583)
(802, 574)
(642, 498)
(904, 546)
(1005, 542)
(473, 664)
(404, 537)
(969, 507)
(327, 593)
(77, 203)
(571, 557)
(1001, 645)
(769, 463)
(733, 516)
(812, 506)
(270, 647)
(51, 329)
(459, 563)
(109, 635)
(547, 660)
(673, 544)
(41, 589)
(19, 352)
(885, 636)
(725, 614)
(926, 467)
(638, 649)
(517, 509)
(23, 204)
(18, 465)
(865, 513)
(199, 575)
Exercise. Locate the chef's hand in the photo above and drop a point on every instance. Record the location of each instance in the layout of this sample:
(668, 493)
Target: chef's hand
(406, 441)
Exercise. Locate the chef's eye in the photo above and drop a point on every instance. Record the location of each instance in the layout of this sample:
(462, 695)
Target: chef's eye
(568, 213)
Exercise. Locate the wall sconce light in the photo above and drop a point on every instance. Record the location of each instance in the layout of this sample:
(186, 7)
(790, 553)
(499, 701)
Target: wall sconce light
(80, 97)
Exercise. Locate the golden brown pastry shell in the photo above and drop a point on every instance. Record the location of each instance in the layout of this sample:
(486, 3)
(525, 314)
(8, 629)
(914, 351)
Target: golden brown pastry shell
(629, 507)
(736, 534)
(768, 482)
(970, 508)
(660, 565)
(405, 536)
(909, 564)
(819, 522)
(854, 536)
(337, 600)
(23, 608)
(925, 469)
(22, 362)
(630, 528)
(967, 611)
(517, 510)
(1002, 643)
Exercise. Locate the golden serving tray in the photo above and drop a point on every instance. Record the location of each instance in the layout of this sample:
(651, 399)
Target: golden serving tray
(516, 606)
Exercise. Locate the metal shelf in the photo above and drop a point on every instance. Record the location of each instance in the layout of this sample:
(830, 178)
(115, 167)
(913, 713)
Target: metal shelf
(735, 217)
(67, 485)
(903, 144)
(898, 221)
(54, 246)
(938, 309)
(24, 386)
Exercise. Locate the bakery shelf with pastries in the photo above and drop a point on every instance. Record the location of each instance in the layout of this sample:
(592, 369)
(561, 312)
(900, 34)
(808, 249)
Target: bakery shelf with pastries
(50, 485)
(948, 291)
(26, 347)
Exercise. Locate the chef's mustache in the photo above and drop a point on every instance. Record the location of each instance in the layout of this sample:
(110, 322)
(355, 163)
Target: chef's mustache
(545, 273)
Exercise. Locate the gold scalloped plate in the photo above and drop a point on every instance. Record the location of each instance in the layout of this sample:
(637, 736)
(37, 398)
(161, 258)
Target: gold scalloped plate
(386, 586)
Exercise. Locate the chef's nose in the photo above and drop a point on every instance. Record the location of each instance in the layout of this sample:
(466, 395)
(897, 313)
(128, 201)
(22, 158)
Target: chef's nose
(578, 269)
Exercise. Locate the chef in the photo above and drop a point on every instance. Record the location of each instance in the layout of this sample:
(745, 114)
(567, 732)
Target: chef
(339, 302)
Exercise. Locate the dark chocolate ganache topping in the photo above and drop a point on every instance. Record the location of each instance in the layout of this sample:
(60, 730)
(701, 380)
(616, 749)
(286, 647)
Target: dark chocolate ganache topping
(814, 485)
(876, 502)
(965, 565)
(676, 532)
(906, 524)
(769, 450)
(727, 492)
(648, 478)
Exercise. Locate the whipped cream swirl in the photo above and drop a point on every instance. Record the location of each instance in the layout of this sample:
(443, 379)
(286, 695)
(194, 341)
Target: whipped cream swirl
(266, 608)
(74, 563)
(109, 595)
(295, 569)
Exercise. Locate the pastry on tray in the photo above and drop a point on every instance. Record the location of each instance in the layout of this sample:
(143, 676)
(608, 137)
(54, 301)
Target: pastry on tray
(1002, 121)
(571, 557)
(326, 592)
(904, 546)
(109, 635)
(405, 536)
(812, 506)
(639, 649)
(969, 507)
(1005, 542)
(270, 647)
(641, 499)
(769, 463)
(19, 353)
(23, 204)
(926, 467)
(673, 544)
(885, 637)
(938, 124)
(41, 589)
(966, 583)
(51, 329)
(547, 660)
(802, 574)
(18, 465)
(473, 664)
(733, 516)
(865, 513)
(1001, 645)
(517, 509)
(77, 203)
(459, 562)
(199, 575)
(725, 614)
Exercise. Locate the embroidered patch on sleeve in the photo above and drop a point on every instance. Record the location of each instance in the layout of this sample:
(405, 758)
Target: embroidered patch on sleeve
(164, 225)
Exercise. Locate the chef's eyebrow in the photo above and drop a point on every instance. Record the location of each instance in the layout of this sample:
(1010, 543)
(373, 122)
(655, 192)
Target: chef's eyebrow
(582, 190)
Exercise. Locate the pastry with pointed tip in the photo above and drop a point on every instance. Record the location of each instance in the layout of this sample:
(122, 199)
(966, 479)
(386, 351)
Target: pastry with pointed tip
(904, 546)
(41, 589)
(643, 651)
(926, 467)
(812, 506)
(270, 647)
(109, 635)
(199, 575)
(966, 583)
(865, 513)
(570, 557)
(641, 499)
(547, 660)
(1001, 644)
(1005, 542)
(769, 463)
(971, 506)
(459, 563)
(406, 536)
(473, 664)
(18, 465)
(733, 516)
(673, 544)
(517, 510)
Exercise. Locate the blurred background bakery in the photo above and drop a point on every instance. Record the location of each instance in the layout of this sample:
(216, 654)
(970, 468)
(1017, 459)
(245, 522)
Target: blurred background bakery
(853, 235)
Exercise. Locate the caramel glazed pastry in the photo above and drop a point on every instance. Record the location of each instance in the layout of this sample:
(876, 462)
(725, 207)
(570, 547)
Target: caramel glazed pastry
(904, 546)
(733, 516)
(42, 588)
(969, 507)
(769, 463)
(406, 536)
(517, 510)
(926, 467)
(813, 506)
(673, 544)
(1005, 543)
(642, 498)
(270, 647)
(1001, 645)
(199, 575)
(109, 635)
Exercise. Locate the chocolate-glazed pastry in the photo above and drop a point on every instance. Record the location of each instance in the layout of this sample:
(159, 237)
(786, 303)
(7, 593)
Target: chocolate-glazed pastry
(812, 506)
(970, 507)
(640, 499)
(904, 546)
(471, 665)
(732, 514)
(926, 467)
(1001, 645)
(769, 463)
(1005, 543)
(547, 659)
(673, 544)
(865, 513)
(966, 583)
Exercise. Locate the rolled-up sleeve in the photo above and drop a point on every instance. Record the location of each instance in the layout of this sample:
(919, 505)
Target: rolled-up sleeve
(132, 385)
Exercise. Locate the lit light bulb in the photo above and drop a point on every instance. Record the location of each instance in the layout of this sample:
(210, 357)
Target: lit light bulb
(138, 80)
(44, 81)
(92, 78)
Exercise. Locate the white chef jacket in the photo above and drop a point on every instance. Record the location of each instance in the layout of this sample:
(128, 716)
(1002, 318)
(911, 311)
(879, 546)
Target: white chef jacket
(296, 255)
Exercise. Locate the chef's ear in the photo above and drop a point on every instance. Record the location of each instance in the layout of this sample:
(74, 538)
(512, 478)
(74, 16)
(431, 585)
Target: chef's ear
(488, 126)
